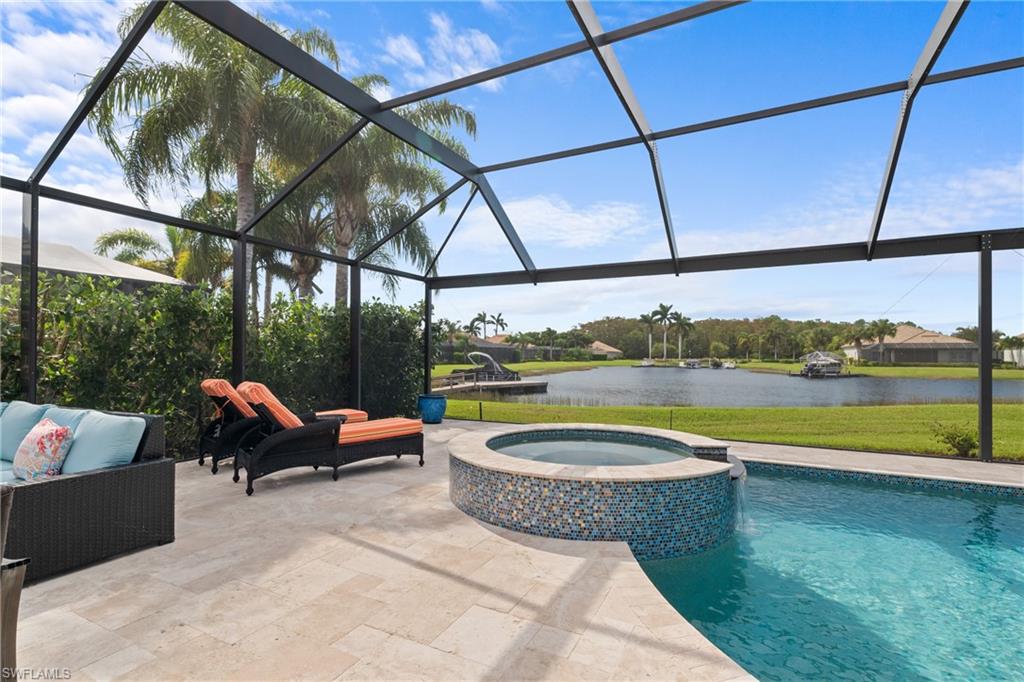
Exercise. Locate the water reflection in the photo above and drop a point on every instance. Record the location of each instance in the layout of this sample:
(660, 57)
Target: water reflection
(742, 388)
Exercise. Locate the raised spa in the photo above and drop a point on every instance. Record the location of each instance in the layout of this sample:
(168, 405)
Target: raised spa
(665, 493)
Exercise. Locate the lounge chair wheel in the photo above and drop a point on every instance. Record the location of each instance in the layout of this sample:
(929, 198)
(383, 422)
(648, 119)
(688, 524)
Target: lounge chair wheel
(421, 461)
(235, 477)
(316, 467)
(398, 457)
(201, 459)
(215, 468)
(334, 475)
(248, 488)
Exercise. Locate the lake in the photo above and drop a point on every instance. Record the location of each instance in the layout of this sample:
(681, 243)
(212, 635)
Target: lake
(744, 388)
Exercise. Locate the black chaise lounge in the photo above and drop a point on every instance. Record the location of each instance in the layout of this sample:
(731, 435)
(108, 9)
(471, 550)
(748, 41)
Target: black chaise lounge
(286, 441)
(235, 418)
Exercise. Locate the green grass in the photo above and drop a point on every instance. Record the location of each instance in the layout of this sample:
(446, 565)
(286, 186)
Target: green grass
(929, 372)
(541, 366)
(895, 428)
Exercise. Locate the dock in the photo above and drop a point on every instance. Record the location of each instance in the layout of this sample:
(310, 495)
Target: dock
(508, 387)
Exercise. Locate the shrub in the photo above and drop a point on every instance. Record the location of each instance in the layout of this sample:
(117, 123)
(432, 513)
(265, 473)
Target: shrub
(147, 351)
(960, 438)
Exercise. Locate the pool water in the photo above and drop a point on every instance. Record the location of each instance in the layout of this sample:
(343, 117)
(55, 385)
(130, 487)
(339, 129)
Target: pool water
(607, 448)
(849, 580)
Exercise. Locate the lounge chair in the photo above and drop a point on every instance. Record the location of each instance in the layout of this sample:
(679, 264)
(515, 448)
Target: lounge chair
(232, 420)
(236, 419)
(288, 441)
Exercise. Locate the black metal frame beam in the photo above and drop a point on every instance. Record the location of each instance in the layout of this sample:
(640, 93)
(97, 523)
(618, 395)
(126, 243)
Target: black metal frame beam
(287, 190)
(355, 337)
(29, 291)
(760, 114)
(262, 39)
(97, 88)
(423, 210)
(590, 25)
(963, 242)
(944, 27)
(985, 246)
(458, 219)
(428, 337)
(548, 56)
(498, 211)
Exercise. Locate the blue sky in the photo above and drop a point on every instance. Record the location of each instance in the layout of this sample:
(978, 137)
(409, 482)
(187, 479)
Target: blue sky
(809, 178)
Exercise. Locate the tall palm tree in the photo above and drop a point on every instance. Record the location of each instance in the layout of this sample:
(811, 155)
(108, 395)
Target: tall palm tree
(879, 329)
(774, 335)
(377, 181)
(856, 333)
(187, 255)
(683, 326)
(662, 315)
(499, 322)
(648, 321)
(548, 337)
(1013, 344)
(472, 327)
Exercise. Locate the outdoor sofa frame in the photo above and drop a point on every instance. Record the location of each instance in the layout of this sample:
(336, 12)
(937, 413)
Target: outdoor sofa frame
(72, 520)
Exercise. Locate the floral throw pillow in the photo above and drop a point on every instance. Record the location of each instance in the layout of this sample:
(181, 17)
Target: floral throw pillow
(42, 452)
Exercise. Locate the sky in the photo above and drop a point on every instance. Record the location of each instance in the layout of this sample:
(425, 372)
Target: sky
(804, 179)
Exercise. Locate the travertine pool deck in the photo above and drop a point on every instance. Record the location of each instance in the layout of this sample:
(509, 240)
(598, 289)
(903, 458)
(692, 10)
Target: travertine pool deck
(376, 576)
(993, 473)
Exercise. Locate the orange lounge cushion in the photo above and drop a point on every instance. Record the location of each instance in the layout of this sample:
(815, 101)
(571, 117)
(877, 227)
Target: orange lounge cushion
(353, 416)
(222, 388)
(379, 429)
(258, 394)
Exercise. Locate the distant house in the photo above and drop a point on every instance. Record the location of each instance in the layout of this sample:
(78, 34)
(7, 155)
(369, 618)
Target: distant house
(67, 260)
(912, 344)
(605, 351)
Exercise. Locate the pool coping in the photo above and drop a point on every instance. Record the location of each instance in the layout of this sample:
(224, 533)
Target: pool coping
(472, 449)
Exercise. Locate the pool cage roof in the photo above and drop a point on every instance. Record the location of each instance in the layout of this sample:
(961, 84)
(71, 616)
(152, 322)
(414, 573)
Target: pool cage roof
(276, 48)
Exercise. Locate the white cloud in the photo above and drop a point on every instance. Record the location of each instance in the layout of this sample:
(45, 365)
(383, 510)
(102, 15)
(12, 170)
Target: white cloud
(449, 53)
(550, 220)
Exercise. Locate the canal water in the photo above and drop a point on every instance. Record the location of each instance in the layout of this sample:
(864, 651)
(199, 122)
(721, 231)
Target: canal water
(743, 388)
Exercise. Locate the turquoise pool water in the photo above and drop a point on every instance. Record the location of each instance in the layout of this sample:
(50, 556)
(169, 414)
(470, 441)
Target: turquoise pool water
(845, 580)
(601, 448)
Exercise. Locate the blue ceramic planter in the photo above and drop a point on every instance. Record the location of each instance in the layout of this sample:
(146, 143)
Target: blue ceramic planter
(432, 407)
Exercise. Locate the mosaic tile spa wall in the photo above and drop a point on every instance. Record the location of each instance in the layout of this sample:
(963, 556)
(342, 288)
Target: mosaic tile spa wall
(659, 519)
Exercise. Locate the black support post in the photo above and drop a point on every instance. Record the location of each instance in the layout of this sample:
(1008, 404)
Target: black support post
(985, 348)
(428, 337)
(239, 296)
(355, 307)
(29, 292)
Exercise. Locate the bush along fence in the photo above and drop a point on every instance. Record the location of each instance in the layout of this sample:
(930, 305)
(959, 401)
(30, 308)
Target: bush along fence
(147, 351)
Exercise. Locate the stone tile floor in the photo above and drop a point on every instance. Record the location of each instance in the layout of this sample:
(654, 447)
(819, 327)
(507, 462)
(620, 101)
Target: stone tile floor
(374, 577)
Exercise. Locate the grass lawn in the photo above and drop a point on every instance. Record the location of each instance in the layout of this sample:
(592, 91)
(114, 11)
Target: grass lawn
(936, 372)
(542, 366)
(889, 428)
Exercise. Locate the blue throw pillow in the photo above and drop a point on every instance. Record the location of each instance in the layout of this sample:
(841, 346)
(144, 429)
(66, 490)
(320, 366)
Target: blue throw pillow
(66, 416)
(15, 423)
(103, 441)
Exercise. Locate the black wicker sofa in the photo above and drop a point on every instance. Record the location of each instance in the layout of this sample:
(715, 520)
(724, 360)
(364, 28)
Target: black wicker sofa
(72, 520)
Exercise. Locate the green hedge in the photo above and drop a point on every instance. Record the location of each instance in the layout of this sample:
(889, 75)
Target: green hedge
(147, 351)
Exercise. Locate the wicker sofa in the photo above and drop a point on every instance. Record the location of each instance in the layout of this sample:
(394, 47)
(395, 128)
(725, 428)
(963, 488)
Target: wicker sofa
(72, 520)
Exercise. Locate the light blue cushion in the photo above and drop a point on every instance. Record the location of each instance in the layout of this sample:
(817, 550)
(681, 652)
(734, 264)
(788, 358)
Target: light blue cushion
(66, 416)
(7, 476)
(5, 466)
(15, 423)
(103, 441)
(3, 406)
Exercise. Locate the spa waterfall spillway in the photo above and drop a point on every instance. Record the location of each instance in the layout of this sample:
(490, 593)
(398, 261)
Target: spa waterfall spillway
(665, 493)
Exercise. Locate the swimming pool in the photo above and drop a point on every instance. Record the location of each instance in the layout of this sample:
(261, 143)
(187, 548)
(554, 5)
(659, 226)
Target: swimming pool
(834, 579)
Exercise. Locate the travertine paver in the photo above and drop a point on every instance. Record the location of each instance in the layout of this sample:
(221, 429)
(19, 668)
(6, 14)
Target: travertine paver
(376, 576)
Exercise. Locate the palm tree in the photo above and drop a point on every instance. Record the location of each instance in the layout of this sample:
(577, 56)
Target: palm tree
(377, 181)
(189, 256)
(211, 114)
(683, 326)
(855, 334)
(1014, 344)
(648, 321)
(775, 334)
(879, 329)
(482, 320)
(662, 315)
(548, 337)
(472, 327)
(499, 323)
(743, 343)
